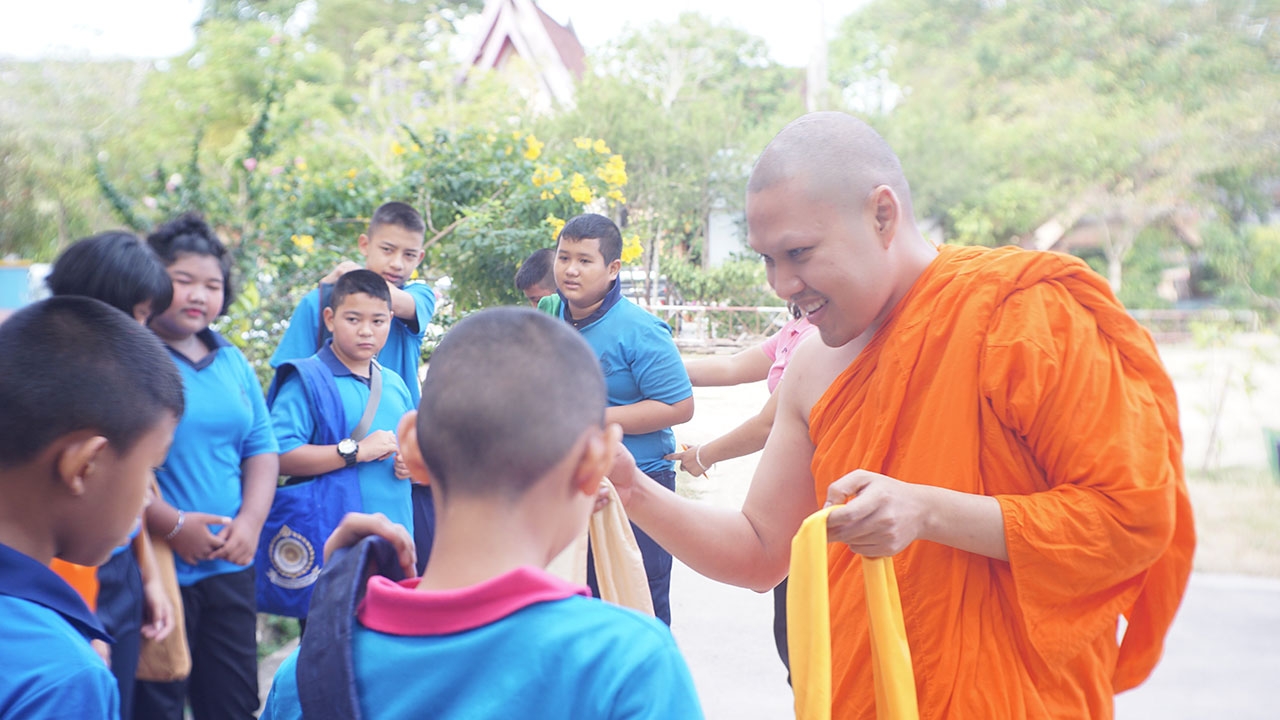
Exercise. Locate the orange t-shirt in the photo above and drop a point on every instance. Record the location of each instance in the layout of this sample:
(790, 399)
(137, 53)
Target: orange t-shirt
(81, 577)
(1017, 375)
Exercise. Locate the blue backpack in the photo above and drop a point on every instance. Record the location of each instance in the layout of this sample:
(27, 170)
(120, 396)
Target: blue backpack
(305, 510)
(325, 669)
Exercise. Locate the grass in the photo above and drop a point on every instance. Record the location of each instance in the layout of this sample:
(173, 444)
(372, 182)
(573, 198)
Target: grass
(1237, 513)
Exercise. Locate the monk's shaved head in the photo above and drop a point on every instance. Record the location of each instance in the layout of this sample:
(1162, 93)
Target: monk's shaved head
(838, 158)
(509, 392)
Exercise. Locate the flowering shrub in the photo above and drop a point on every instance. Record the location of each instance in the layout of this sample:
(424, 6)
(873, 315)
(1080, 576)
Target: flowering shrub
(489, 197)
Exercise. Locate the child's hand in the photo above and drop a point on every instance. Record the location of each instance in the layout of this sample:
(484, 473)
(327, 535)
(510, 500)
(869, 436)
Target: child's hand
(402, 468)
(355, 526)
(194, 542)
(378, 445)
(343, 268)
(688, 459)
(239, 541)
(157, 611)
(103, 650)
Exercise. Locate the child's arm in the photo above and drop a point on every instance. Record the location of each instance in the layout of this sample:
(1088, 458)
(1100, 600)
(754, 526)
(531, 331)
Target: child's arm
(750, 365)
(312, 460)
(745, 439)
(157, 610)
(649, 416)
(414, 306)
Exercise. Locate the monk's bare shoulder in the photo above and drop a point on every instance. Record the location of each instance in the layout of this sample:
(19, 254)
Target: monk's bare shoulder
(812, 368)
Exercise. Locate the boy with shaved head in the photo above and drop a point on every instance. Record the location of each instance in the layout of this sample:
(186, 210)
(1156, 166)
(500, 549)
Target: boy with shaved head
(486, 632)
(991, 419)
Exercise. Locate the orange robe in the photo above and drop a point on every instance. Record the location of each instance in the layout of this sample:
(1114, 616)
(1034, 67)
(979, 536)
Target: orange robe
(1017, 375)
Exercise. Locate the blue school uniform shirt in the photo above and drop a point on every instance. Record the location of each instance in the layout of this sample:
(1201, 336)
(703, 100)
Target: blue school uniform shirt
(524, 644)
(400, 354)
(225, 422)
(47, 667)
(295, 424)
(640, 362)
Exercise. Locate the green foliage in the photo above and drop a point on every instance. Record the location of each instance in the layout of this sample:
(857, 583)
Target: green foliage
(1246, 264)
(739, 282)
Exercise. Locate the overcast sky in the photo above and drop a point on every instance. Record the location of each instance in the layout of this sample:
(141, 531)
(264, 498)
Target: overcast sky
(162, 28)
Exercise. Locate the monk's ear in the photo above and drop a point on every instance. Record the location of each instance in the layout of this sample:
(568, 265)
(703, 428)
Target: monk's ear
(887, 210)
(410, 453)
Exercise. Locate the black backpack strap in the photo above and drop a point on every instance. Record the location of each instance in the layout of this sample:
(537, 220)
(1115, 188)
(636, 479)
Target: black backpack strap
(326, 669)
(322, 332)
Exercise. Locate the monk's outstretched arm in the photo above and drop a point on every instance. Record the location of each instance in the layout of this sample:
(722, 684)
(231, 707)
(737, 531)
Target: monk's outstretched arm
(750, 547)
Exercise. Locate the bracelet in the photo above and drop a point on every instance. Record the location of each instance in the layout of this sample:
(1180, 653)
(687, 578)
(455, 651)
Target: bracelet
(177, 527)
(697, 455)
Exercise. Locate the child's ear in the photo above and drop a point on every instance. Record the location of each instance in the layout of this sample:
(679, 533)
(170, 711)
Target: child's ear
(363, 244)
(593, 462)
(327, 315)
(615, 267)
(410, 453)
(77, 460)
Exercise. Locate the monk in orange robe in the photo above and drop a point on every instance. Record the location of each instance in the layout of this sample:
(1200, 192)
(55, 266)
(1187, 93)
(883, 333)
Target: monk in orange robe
(991, 419)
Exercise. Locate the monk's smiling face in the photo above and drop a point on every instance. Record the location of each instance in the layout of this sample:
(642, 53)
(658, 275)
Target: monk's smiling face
(831, 259)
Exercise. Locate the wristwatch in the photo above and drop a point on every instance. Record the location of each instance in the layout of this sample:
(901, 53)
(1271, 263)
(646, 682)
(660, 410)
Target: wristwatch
(347, 449)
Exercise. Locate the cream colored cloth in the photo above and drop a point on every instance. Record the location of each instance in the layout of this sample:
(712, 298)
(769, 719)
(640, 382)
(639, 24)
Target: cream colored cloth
(619, 567)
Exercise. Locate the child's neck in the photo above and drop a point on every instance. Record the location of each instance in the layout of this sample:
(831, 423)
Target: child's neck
(476, 541)
(359, 368)
(20, 516)
(189, 345)
(579, 313)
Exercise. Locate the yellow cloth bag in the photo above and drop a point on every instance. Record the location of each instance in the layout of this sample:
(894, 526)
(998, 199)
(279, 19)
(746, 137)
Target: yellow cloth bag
(809, 629)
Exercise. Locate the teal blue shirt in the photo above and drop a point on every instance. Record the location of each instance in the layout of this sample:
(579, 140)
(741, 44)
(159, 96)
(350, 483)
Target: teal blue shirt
(225, 422)
(295, 424)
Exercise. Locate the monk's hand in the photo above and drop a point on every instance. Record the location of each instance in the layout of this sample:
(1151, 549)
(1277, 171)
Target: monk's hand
(880, 516)
(355, 526)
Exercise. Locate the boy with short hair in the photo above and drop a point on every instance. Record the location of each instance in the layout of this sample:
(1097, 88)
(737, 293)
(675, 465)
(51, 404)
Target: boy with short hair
(359, 317)
(393, 248)
(536, 278)
(649, 390)
(487, 633)
(79, 436)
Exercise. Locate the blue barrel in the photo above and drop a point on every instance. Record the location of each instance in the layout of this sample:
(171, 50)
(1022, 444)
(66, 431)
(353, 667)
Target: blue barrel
(13, 284)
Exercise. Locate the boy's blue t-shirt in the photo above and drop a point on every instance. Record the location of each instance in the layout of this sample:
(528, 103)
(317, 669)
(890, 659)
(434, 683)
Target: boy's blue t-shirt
(400, 354)
(514, 646)
(47, 668)
(225, 422)
(294, 422)
(640, 362)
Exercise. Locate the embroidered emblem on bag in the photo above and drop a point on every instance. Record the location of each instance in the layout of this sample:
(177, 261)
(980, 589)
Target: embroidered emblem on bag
(293, 560)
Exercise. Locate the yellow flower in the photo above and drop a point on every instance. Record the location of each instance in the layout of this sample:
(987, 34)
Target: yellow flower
(532, 147)
(579, 191)
(556, 226)
(543, 176)
(507, 151)
(352, 173)
(415, 147)
(631, 249)
(300, 163)
(490, 137)
(397, 148)
(583, 143)
(304, 242)
(600, 147)
(617, 196)
(546, 195)
(516, 134)
(613, 172)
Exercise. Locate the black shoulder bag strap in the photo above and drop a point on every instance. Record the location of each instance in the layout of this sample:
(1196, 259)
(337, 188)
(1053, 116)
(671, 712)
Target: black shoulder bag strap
(326, 669)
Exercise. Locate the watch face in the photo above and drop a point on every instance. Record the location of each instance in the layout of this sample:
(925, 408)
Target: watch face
(347, 446)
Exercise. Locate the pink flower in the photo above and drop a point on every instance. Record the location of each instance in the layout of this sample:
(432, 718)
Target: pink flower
(277, 170)
(250, 164)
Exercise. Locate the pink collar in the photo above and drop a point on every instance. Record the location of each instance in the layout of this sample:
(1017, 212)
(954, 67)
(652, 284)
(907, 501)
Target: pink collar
(400, 609)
